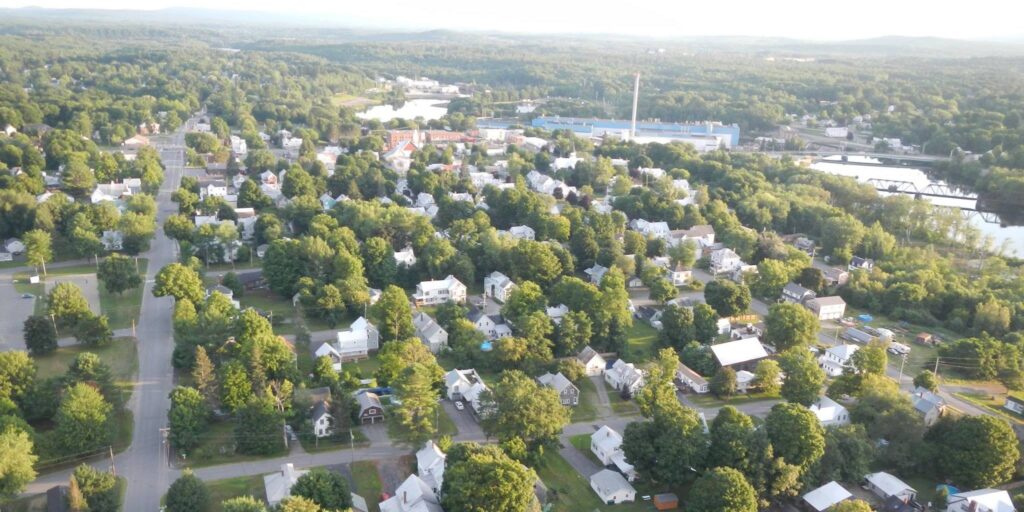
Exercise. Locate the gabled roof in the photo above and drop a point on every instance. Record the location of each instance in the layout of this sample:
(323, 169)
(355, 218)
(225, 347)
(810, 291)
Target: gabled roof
(988, 500)
(278, 485)
(888, 484)
(826, 496)
(414, 495)
(320, 408)
(739, 351)
(587, 354)
(556, 381)
(368, 400)
(832, 300)
(843, 352)
(925, 401)
(609, 482)
(795, 290)
(827, 410)
(607, 439)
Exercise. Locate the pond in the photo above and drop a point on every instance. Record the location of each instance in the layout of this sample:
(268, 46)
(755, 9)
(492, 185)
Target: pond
(864, 169)
(428, 109)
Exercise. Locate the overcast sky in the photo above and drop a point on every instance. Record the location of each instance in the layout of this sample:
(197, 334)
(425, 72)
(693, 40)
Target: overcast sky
(801, 19)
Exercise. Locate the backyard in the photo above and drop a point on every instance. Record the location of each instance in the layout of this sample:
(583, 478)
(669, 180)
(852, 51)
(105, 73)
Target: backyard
(217, 446)
(641, 342)
(586, 410)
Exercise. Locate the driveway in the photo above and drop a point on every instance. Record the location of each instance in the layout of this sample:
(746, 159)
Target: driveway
(376, 433)
(469, 428)
(16, 310)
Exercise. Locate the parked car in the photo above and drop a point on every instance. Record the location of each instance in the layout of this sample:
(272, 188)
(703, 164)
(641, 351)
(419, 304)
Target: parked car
(27, 296)
(459, 406)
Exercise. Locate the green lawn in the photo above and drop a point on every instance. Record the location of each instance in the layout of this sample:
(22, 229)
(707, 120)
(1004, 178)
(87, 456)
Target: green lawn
(366, 367)
(284, 312)
(993, 403)
(120, 355)
(221, 490)
(641, 342)
(582, 443)
(568, 491)
(708, 401)
(341, 442)
(217, 446)
(445, 426)
(620, 406)
(367, 484)
(586, 410)
(123, 309)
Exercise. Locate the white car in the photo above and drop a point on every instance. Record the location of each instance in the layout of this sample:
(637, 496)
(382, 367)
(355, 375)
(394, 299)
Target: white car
(459, 406)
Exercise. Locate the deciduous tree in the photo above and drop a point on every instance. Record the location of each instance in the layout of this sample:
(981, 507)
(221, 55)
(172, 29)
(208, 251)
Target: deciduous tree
(327, 489)
(722, 489)
(118, 274)
(790, 325)
(180, 282)
(188, 494)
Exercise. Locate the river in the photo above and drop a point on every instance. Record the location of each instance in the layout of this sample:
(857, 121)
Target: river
(865, 168)
(428, 109)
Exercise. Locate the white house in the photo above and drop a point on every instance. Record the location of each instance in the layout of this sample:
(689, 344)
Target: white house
(827, 308)
(14, 246)
(555, 313)
(929, 405)
(744, 380)
(885, 485)
(703, 235)
(238, 145)
(593, 363)
(652, 172)
(323, 422)
(611, 488)
(214, 188)
(357, 340)
(498, 286)
(414, 495)
(279, 485)
(724, 260)
(740, 354)
(465, 385)
(837, 132)
(826, 496)
(606, 445)
(491, 326)
(982, 500)
(406, 257)
(692, 379)
(522, 232)
(836, 359)
(623, 376)
(1014, 405)
(596, 273)
(651, 229)
(830, 412)
(430, 465)
(429, 332)
(113, 191)
(440, 291)
(677, 274)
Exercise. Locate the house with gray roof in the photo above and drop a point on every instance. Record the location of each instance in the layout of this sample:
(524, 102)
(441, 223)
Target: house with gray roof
(568, 393)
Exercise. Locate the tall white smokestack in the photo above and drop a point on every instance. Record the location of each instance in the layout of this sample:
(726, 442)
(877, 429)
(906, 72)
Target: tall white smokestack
(636, 98)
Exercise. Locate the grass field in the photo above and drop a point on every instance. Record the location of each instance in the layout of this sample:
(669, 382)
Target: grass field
(123, 309)
(121, 355)
(445, 427)
(708, 401)
(641, 343)
(217, 446)
(228, 488)
(367, 484)
(568, 491)
(587, 408)
(621, 406)
(341, 442)
(992, 403)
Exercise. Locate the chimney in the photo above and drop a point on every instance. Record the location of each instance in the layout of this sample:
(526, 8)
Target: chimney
(405, 497)
(636, 97)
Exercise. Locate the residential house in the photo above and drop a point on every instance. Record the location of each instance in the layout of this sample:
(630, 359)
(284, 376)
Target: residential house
(825, 497)
(724, 260)
(1014, 404)
(611, 488)
(135, 142)
(836, 359)
(246, 223)
(14, 246)
(557, 312)
(522, 232)
(593, 363)
(370, 408)
(606, 445)
(465, 385)
(498, 286)
(806, 245)
(653, 173)
(238, 145)
(744, 380)
(213, 188)
(568, 393)
(885, 486)
(624, 377)
(796, 294)
(649, 315)
(835, 276)
(406, 257)
(827, 308)
(359, 503)
(982, 500)
(650, 229)
(703, 235)
(929, 405)
(112, 240)
(745, 331)
(634, 282)
(491, 326)
(596, 273)
(323, 422)
(692, 379)
(429, 332)
(278, 486)
(414, 495)
(114, 191)
(740, 354)
(829, 412)
(352, 344)
(430, 465)
(858, 263)
(438, 292)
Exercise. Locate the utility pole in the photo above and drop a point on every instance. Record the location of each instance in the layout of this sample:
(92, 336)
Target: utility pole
(899, 381)
(113, 469)
(54, 320)
(936, 372)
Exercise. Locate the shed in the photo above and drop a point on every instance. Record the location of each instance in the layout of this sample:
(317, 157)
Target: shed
(667, 501)
(826, 496)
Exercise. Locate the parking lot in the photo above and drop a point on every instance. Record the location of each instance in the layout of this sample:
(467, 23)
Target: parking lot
(15, 311)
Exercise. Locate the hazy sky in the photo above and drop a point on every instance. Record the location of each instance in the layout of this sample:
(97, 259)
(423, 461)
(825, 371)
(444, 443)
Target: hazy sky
(801, 19)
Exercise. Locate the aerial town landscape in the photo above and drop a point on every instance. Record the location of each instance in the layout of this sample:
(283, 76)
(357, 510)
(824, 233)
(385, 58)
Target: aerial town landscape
(251, 264)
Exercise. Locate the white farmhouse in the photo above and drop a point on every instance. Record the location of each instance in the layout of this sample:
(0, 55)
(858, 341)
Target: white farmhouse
(430, 465)
(593, 363)
(430, 293)
(836, 359)
(406, 257)
(465, 385)
(624, 377)
(498, 286)
(278, 486)
(606, 445)
(611, 487)
(414, 495)
(829, 412)
(827, 308)
(724, 260)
